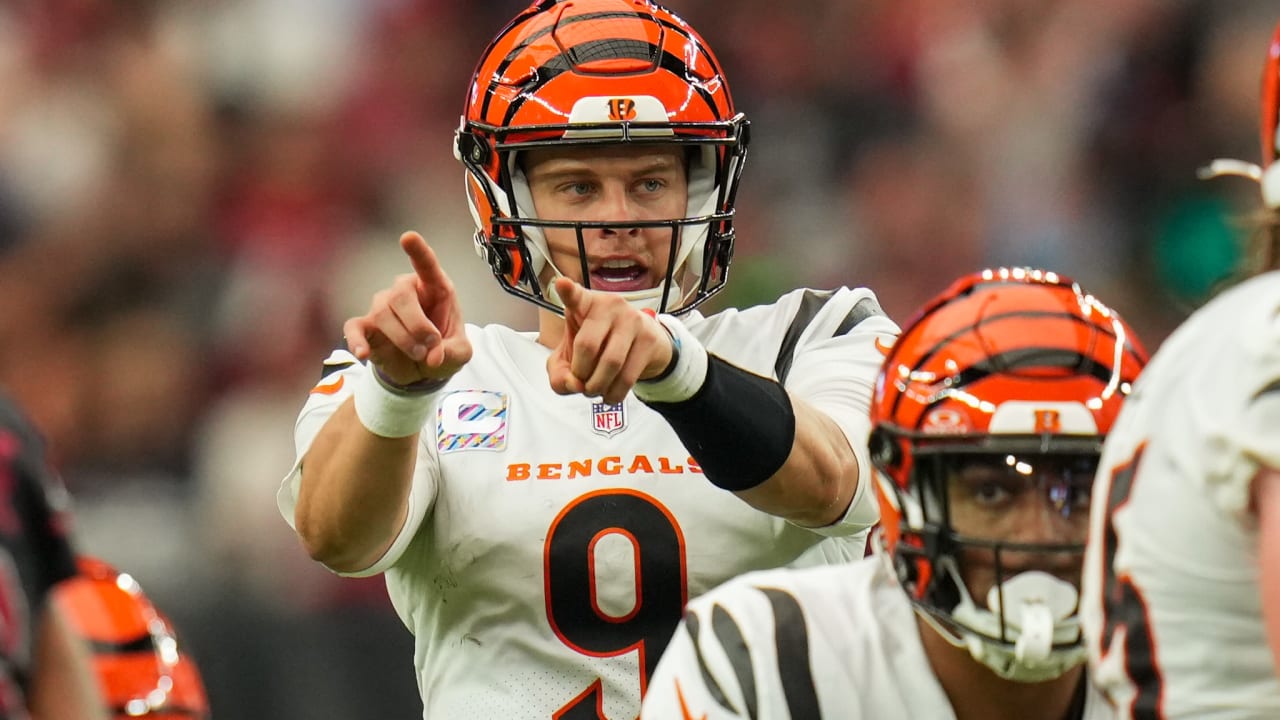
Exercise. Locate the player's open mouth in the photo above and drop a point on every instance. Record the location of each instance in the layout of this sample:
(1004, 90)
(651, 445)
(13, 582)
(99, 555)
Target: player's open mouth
(620, 275)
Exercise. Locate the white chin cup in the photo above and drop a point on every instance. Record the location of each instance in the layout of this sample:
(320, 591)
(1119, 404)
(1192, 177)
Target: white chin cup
(1037, 602)
(640, 299)
(1039, 613)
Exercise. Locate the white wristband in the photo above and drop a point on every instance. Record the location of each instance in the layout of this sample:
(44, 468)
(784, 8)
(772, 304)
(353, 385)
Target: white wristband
(387, 413)
(690, 372)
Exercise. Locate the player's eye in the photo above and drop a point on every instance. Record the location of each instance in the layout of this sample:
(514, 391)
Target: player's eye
(991, 492)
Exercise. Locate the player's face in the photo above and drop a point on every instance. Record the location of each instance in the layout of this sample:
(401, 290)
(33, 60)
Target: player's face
(1020, 500)
(610, 183)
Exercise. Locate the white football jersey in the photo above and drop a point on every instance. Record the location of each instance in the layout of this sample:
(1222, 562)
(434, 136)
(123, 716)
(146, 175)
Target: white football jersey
(1171, 606)
(553, 541)
(836, 642)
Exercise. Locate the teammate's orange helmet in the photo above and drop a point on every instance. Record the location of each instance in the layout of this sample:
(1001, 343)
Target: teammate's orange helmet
(592, 72)
(1007, 366)
(142, 670)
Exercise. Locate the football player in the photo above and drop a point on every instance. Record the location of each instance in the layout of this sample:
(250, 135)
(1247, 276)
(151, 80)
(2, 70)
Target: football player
(45, 669)
(1182, 584)
(544, 503)
(988, 421)
(142, 669)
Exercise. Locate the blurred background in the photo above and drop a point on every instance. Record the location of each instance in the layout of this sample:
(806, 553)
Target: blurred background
(194, 195)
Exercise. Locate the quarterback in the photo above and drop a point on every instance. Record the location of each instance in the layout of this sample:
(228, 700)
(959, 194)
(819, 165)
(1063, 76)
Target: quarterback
(544, 503)
(1182, 584)
(988, 421)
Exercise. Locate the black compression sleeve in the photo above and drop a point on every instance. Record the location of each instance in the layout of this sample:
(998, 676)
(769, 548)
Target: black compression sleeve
(739, 426)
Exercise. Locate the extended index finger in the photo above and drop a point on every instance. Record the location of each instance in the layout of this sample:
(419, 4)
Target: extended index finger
(423, 259)
(575, 300)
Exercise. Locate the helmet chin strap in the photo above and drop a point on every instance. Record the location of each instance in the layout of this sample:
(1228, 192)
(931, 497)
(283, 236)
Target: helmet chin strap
(1039, 612)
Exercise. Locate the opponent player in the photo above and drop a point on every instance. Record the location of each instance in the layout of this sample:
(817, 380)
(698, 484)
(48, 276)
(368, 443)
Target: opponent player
(44, 665)
(1182, 584)
(988, 421)
(543, 504)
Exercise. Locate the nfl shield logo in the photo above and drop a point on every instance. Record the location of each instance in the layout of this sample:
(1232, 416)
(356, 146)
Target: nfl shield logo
(608, 420)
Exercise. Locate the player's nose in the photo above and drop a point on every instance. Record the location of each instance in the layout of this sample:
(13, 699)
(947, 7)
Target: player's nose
(617, 205)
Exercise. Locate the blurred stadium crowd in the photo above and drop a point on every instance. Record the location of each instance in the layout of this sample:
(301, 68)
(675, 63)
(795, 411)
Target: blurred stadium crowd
(194, 194)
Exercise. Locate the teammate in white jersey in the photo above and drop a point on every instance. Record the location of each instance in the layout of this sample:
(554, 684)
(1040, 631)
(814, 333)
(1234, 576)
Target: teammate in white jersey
(988, 420)
(543, 504)
(1182, 585)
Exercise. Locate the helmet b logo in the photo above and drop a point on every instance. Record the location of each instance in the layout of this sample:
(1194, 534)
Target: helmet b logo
(1047, 421)
(622, 109)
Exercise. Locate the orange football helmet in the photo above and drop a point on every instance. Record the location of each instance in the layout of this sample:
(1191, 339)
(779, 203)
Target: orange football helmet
(141, 669)
(1017, 372)
(592, 72)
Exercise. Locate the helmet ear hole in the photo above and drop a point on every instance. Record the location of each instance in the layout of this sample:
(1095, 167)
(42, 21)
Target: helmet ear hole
(885, 453)
(500, 261)
(471, 149)
(907, 570)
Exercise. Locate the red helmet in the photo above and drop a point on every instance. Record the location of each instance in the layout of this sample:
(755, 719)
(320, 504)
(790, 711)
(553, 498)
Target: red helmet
(592, 72)
(1019, 369)
(141, 668)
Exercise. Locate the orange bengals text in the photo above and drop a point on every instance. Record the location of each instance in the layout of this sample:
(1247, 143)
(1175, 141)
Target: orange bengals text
(609, 465)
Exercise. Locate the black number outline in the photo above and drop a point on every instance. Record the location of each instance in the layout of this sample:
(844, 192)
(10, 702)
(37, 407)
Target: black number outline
(569, 590)
(1124, 606)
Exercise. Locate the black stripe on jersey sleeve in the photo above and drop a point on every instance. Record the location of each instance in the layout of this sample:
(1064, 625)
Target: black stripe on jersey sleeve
(810, 305)
(692, 624)
(735, 648)
(1273, 386)
(863, 309)
(326, 369)
(791, 638)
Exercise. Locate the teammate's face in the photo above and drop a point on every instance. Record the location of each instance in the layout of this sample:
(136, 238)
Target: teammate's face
(1020, 500)
(610, 183)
